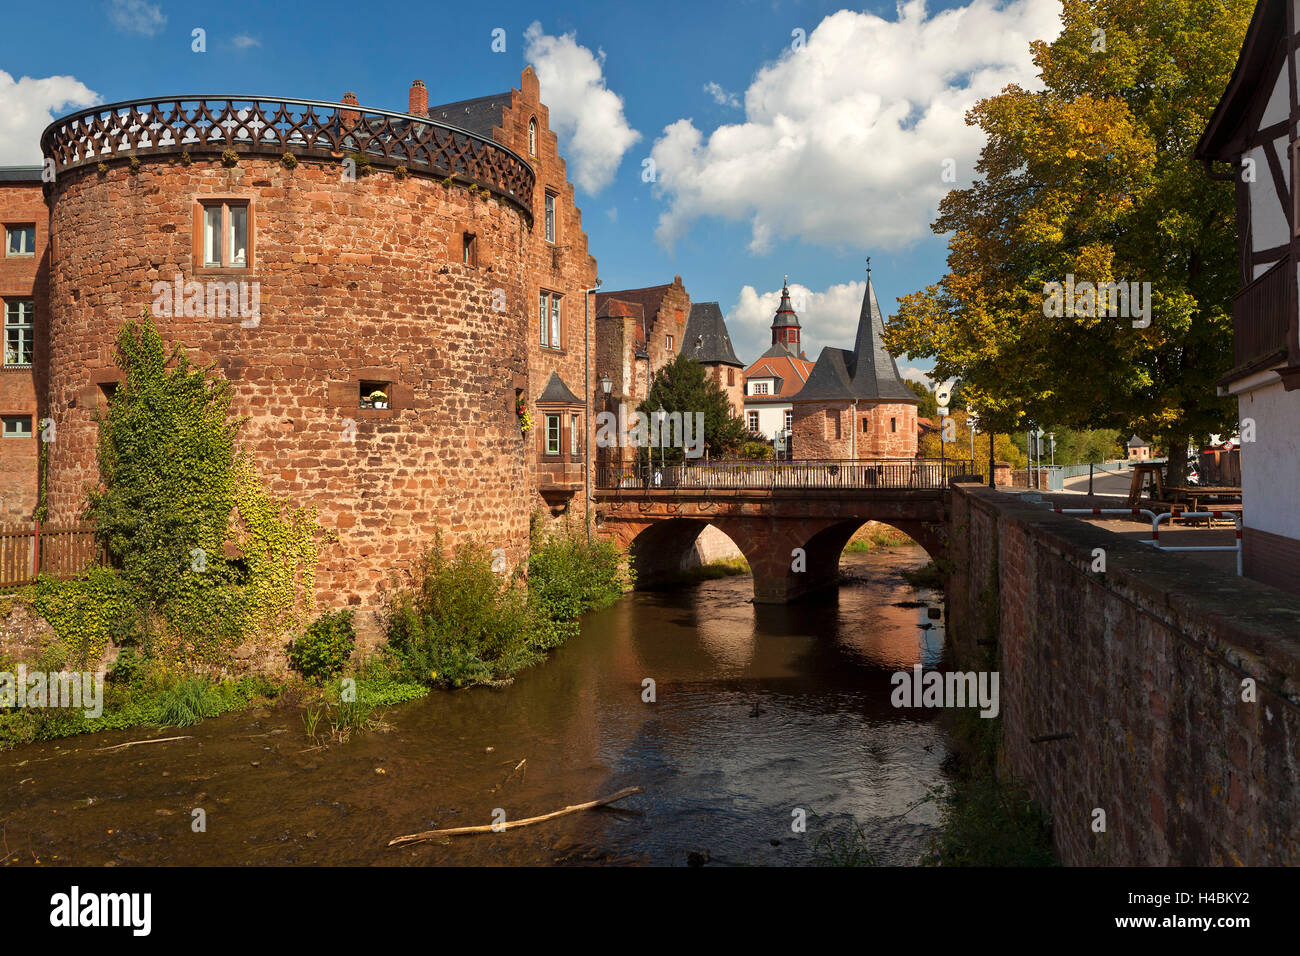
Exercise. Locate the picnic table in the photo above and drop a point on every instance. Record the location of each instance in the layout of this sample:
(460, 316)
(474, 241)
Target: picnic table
(1215, 498)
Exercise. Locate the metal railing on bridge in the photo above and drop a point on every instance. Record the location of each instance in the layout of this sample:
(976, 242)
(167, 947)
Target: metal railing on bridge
(770, 475)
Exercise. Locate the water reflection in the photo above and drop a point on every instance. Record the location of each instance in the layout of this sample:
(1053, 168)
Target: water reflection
(759, 711)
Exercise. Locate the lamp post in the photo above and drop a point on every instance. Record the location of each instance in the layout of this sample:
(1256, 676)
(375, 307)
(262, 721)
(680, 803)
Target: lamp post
(605, 385)
(586, 402)
(660, 415)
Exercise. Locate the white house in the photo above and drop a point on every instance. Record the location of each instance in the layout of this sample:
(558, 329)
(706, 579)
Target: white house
(1252, 138)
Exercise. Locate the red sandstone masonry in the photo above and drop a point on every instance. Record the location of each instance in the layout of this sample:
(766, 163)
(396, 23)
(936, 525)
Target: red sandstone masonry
(23, 278)
(358, 281)
(1143, 665)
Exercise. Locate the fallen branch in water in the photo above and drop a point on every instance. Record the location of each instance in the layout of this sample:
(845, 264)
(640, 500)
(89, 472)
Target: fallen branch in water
(134, 743)
(511, 824)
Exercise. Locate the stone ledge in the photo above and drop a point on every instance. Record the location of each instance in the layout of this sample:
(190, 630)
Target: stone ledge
(1253, 626)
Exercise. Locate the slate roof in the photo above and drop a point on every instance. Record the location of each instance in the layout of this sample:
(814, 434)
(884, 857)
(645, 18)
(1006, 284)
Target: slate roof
(557, 393)
(1136, 442)
(20, 174)
(478, 115)
(706, 339)
(868, 372)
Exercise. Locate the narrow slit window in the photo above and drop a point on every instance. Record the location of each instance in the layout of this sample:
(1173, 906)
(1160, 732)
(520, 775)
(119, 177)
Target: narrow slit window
(574, 429)
(550, 217)
(469, 249)
(555, 321)
(532, 137)
(543, 310)
(668, 342)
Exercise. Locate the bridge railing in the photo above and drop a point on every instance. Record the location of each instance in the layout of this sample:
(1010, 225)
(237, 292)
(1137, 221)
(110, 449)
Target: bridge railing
(771, 475)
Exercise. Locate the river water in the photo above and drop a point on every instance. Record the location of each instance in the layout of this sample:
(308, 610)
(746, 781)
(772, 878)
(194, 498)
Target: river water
(759, 712)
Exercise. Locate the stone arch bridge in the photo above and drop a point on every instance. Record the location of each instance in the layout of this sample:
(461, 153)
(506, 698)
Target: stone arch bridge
(775, 512)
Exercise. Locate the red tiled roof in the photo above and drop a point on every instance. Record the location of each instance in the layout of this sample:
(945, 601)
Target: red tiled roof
(793, 372)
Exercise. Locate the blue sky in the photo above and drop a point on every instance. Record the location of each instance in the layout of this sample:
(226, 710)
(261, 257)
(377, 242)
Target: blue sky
(774, 153)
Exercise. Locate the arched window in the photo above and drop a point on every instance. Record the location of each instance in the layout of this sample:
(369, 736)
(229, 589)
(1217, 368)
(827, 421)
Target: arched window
(532, 137)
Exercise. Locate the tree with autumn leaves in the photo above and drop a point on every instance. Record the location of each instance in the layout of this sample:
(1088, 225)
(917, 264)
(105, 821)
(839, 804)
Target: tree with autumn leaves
(1092, 176)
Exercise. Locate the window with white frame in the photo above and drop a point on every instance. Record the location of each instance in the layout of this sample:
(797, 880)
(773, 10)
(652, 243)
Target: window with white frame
(549, 319)
(17, 426)
(760, 388)
(753, 421)
(574, 428)
(225, 234)
(789, 419)
(550, 217)
(552, 434)
(20, 329)
(532, 137)
(668, 342)
(20, 240)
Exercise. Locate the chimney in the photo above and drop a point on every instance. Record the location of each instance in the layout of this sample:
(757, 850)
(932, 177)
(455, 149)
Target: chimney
(349, 118)
(419, 99)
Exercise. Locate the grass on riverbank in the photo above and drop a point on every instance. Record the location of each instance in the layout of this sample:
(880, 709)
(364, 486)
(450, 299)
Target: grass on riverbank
(874, 536)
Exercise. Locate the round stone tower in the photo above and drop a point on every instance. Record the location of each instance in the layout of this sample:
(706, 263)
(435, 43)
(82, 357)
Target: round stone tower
(359, 278)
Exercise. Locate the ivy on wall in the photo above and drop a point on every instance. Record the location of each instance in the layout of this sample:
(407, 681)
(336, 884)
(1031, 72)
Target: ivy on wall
(209, 559)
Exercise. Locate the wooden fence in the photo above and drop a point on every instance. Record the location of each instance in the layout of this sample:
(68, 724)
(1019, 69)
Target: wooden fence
(60, 552)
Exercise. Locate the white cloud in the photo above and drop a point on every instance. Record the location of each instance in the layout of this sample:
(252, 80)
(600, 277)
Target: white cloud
(721, 96)
(136, 16)
(843, 142)
(612, 213)
(915, 374)
(586, 116)
(828, 318)
(28, 105)
(243, 41)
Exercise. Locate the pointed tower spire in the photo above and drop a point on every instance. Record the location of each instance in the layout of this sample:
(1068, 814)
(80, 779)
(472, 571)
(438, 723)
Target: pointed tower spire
(785, 324)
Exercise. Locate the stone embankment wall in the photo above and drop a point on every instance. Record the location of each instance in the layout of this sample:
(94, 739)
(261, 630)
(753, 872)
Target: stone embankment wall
(1148, 667)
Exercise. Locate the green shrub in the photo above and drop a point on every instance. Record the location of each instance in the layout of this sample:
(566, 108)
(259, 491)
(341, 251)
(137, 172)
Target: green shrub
(461, 623)
(87, 612)
(568, 576)
(326, 647)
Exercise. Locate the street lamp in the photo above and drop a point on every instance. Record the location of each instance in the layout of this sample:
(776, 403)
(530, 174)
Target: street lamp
(660, 415)
(606, 383)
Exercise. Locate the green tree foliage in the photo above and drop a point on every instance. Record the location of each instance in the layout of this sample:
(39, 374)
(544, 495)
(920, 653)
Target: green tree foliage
(209, 559)
(1092, 176)
(928, 407)
(683, 386)
(325, 647)
(1004, 448)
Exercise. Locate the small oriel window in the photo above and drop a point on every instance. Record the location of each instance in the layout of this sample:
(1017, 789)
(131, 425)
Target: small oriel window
(20, 240)
(20, 330)
(17, 426)
(469, 249)
(225, 235)
(375, 394)
(552, 434)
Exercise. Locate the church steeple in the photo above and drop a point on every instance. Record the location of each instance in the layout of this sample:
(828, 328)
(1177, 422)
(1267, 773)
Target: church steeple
(785, 324)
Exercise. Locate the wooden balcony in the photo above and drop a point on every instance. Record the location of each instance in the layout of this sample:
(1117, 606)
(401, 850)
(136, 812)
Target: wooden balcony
(1261, 319)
